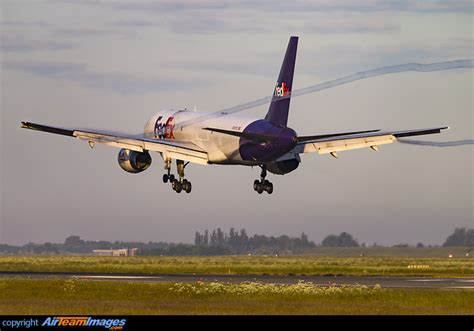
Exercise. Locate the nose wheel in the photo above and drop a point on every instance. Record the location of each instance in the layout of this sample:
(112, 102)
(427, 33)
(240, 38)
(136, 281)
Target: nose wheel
(263, 184)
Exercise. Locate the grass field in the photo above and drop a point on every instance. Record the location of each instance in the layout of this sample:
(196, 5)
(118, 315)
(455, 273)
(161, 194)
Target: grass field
(257, 265)
(58, 296)
(380, 251)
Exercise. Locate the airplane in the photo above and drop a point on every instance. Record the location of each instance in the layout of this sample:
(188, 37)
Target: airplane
(230, 139)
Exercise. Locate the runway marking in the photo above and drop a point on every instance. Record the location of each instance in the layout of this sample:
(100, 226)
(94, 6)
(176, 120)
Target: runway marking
(429, 280)
(118, 277)
(462, 287)
(442, 280)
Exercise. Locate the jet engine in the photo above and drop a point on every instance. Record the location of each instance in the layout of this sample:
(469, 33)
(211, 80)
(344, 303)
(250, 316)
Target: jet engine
(283, 167)
(133, 162)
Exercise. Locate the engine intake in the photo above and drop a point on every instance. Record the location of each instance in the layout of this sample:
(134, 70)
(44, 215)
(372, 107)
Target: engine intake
(283, 167)
(133, 162)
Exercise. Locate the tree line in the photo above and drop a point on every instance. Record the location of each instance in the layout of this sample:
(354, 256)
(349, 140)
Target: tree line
(218, 242)
(239, 242)
(460, 237)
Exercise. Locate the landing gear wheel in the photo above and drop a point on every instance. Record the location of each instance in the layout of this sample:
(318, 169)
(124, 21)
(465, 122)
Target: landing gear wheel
(269, 188)
(174, 184)
(187, 186)
(256, 182)
(259, 188)
(171, 178)
(165, 178)
(179, 186)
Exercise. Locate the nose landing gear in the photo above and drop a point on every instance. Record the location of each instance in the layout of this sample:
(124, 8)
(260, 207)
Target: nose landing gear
(263, 184)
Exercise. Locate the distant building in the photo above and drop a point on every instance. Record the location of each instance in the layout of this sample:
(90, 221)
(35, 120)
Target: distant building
(116, 252)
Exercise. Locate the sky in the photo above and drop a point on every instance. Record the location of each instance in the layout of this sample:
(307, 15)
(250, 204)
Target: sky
(113, 64)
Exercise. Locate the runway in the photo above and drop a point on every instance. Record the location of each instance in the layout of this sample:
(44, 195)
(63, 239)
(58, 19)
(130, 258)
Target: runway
(387, 282)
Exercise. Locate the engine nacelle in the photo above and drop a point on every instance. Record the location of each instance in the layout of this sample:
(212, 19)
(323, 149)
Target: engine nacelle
(133, 162)
(283, 167)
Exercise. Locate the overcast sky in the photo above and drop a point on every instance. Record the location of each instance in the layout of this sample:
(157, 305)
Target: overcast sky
(112, 64)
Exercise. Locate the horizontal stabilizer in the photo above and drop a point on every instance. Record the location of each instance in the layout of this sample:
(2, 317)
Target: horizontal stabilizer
(331, 135)
(260, 138)
(338, 142)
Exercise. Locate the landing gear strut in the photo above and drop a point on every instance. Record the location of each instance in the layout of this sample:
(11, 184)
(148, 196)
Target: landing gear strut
(263, 185)
(168, 176)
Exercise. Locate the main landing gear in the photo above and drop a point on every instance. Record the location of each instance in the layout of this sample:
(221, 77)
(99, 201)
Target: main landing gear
(168, 177)
(181, 184)
(263, 185)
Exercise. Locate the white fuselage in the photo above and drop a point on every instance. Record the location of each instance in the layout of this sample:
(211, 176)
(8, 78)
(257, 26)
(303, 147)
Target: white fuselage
(221, 148)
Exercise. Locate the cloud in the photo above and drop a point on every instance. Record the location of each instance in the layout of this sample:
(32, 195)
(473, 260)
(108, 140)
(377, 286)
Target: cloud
(360, 6)
(333, 58)
(17, 43)
(365, 6)
(88, 32)
(171, 5)
(440, 6)
(349, 23)
(121, 83)
(138, 23)
(257, 68)
(320, 16)
(204, 22)
(17, 23)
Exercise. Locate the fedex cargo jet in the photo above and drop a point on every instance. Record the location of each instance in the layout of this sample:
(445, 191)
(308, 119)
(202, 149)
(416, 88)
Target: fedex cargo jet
(230, 139)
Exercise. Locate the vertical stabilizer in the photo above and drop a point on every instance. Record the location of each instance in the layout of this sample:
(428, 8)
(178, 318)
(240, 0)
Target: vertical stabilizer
(280, 105)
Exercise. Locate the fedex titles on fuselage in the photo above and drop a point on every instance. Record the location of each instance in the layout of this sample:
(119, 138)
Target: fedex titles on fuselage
(164, 127)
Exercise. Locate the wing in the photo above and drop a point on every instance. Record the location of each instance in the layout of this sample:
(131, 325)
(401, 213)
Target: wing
(175, 149)
(332, 143)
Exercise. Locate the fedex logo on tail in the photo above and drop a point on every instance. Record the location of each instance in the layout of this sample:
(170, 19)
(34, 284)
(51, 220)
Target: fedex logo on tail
(282, 91)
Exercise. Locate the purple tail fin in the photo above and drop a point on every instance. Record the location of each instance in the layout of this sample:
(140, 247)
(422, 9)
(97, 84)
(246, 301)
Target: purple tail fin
(280, 105)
